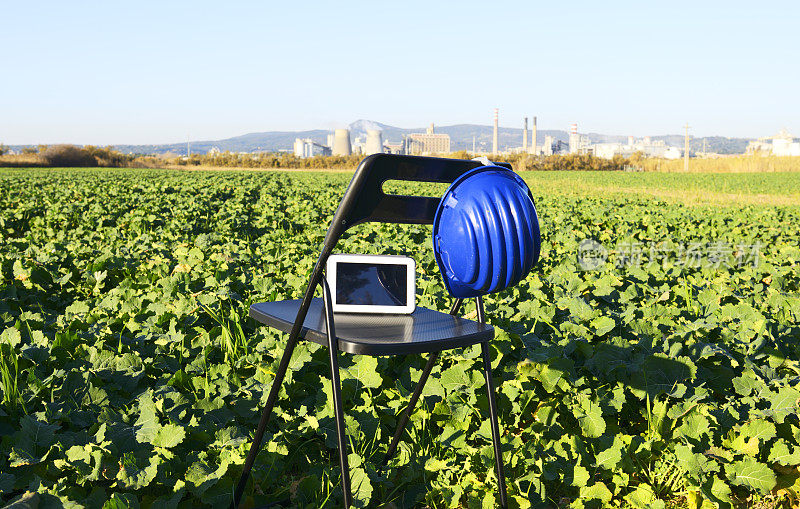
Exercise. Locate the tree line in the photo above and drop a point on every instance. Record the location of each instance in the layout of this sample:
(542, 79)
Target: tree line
(91, 156)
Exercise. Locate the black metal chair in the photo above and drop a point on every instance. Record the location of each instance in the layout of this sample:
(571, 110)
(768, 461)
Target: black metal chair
(424, 331)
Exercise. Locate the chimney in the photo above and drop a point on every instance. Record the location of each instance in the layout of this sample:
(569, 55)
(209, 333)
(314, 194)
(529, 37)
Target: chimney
(494, 137)
(533, 136)
(525, 135)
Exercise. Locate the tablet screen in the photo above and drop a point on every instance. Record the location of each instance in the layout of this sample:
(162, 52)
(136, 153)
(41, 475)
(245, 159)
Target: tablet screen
(371, 284)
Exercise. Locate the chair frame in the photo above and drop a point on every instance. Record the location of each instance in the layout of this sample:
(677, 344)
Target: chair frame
(365, 201)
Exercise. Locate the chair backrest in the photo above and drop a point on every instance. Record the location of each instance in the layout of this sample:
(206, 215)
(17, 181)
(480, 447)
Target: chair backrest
(365, 201)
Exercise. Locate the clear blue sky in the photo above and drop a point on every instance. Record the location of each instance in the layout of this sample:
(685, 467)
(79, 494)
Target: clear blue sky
(155, 72)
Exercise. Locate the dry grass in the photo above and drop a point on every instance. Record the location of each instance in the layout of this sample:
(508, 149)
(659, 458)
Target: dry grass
(726, 164)
(694, 189)
(701, 198)
(238, 168)
(20, 160)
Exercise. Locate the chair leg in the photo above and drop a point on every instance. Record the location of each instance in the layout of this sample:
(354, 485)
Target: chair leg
(336, 385)
(401, 424)
(498, 453)
(262, 424)
(487, 371)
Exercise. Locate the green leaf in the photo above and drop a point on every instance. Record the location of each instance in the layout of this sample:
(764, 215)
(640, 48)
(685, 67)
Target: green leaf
(33, 442)
(602, 325)
(169, 436)
(746, 383)
(783, 403)
(361, 487)
(6, 482)
(610, 457)
(597, 491)
(660, 373)
(696, 465)
(553, 371)
(365, 370)
(591, 420)
(122, 501)
(752, 474)
(717, 491)
(11, 336)
(580, 476)
(455, 378)
(132, 475)
(205, 473)
(784, 453)
(147, 424)
(750, 436)
(644, 497)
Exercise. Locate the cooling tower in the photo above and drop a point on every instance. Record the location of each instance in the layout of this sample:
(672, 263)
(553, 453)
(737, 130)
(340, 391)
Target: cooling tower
(341, 142)
(374, 144)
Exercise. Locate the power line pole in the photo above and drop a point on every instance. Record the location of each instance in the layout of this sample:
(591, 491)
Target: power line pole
(686, 148)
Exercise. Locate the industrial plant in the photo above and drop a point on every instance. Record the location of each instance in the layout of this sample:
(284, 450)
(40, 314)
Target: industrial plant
(372, 140)
(339, 144)
(782, 144)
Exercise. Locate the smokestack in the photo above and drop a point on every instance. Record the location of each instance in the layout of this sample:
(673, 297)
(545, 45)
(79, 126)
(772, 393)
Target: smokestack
(341, 142)
(533, 136)
(574, 140)
(525, 135)
(494, 137)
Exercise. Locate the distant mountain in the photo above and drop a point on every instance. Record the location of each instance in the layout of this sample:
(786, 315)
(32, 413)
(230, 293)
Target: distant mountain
(461, 138)
(271, 141)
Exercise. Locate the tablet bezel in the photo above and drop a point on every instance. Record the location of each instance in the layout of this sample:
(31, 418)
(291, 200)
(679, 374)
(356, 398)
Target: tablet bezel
(411, 267)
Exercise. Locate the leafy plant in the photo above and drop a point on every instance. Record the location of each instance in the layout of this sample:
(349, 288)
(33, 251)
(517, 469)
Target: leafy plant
(131, 375)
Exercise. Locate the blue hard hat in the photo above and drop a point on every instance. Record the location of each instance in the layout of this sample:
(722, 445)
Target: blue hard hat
(485, 232)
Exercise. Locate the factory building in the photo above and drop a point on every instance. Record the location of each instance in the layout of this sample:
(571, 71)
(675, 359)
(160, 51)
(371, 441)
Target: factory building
(306, 147)
(782, 144)
(578, 143)
(552, 146)
(645, 146)
(427, 143)
(393, 148)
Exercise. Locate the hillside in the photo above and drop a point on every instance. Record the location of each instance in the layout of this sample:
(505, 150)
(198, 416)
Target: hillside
(461, 138)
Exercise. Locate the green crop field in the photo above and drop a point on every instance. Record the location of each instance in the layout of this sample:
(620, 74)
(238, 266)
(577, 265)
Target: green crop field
(656, 366)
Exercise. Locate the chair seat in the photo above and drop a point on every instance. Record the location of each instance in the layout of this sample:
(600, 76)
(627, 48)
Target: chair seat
(424, 330)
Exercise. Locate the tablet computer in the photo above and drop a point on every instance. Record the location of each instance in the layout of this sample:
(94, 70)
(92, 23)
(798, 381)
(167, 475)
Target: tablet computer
(372, 283)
